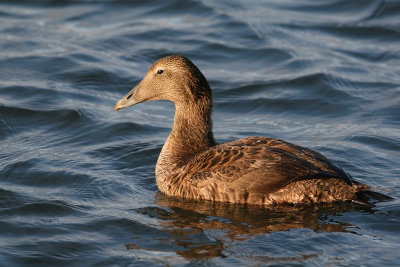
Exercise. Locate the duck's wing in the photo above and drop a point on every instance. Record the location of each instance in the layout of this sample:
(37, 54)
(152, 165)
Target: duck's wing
(259, 164)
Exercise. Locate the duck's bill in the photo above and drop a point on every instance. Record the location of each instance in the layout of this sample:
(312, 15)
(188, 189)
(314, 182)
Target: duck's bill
(127, 101)
(122, 104)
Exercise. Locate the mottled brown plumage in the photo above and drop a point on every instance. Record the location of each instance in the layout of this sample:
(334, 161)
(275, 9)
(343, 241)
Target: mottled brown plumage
(254, 170)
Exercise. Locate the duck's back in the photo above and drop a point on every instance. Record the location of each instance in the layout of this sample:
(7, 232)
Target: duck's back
(261, 170)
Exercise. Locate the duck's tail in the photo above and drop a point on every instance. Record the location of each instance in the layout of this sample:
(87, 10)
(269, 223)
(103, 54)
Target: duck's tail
(366, 195)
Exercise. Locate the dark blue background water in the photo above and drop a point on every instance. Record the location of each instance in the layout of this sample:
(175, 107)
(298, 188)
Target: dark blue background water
(77, 185)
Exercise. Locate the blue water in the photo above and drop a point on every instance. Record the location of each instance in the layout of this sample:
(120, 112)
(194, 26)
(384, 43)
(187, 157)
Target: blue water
(77, 185)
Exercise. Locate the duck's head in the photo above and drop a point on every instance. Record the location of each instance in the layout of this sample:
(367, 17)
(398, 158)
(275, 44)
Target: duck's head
(173, 78)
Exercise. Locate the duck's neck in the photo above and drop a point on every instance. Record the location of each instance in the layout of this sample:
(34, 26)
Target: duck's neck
(191, 133)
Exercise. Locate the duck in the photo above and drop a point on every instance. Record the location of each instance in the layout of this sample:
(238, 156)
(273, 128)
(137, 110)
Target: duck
(253, 170)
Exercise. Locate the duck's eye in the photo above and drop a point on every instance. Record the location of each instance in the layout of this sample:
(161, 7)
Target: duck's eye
(160, 71)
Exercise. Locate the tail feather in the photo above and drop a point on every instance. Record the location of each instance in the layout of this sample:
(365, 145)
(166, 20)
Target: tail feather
(365, 196)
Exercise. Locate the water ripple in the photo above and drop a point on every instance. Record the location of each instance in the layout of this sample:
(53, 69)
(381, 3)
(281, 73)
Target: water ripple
(77, 182)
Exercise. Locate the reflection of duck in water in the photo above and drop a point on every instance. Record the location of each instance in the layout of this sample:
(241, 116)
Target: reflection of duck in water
(240, 219)
(187, 225)
(254, 170)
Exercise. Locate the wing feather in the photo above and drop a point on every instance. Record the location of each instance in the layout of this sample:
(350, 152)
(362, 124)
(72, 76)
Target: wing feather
(259, 165)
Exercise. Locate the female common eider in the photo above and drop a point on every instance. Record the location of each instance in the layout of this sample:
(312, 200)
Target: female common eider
(253, 170)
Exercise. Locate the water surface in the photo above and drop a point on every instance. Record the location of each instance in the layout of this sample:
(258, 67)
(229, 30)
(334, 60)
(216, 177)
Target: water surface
(77, 185)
